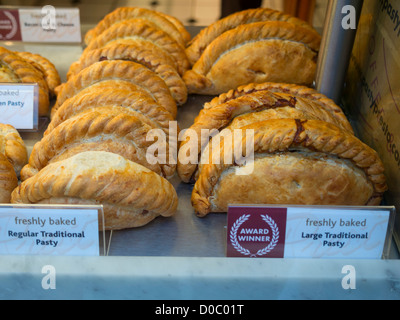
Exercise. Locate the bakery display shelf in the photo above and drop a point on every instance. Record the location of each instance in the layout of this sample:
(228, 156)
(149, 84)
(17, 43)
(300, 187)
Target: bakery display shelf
(183, 257)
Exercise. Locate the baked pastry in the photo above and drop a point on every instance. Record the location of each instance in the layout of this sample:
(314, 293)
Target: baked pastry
(156, 62)
(131, 195)
(121, 94)
(251, 107)
(304, 162)
(13, 147)
(272, 51)
(8, 179)
(14, 69)
(109, 128)
(141, 31)
(45, 67)
(122, 71)
(167, 23)
(200, 42)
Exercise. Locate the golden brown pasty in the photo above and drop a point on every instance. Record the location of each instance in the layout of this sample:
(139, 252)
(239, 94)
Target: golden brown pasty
(14, 69)
(8, 179)
(118, 70)
(132, 195)
(198, 44)
(252, 107)
(141, 31)
(46, 68)
(122, 96)
(133, 52)
(167, 23)
(112, 129)
(305, 162)
(272, 51)
(13, 147)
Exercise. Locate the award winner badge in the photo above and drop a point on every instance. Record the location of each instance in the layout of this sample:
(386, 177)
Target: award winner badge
(256, 232)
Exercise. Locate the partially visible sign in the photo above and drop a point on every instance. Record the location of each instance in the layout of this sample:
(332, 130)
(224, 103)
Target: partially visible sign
(9, 25)
(48, 230)
(19, 105)
(308, 232)
(46, 24)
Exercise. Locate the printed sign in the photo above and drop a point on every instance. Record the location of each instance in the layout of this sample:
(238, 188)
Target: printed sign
(19, 105)
(48, 230)
(46, 24)
(9, 26)
(307, 232)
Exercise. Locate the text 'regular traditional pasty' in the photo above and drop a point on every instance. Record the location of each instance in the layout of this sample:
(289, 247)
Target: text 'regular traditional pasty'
(271, 51)
(131, 195)
(303, 162)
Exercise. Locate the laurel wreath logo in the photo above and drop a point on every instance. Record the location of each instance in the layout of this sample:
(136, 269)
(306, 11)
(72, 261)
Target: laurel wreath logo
(261, 252)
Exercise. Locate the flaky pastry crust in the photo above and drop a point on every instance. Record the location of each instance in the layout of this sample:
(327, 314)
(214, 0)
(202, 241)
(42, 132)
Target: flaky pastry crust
(140, 30)
(292, 89)
(13, 147)
(124, 71)
(26, 73)
(153, 61)
(118, 130)
(220, 116)
(131, 194)
(164, 22)
(199, 43)
(46, 67)
(98, 96)
(8, 179)
(284, 135)
(274, 51)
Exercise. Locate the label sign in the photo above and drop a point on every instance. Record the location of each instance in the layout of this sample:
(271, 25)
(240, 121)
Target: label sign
(19, 105)
(9, 25)
(46, 24)
(44, 230)
(304, 232)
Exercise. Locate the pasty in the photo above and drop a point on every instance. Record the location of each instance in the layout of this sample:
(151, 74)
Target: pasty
(200, 42)
(8, 179)
(112, 129)
(132, 195)
(14, 69)
(111, 94)
(141, 31)
(272, 51)
(304, 162)
(13, 147)
(252, 107)
(46, 68)
(153, 61)
(118, 70)
(167, 23)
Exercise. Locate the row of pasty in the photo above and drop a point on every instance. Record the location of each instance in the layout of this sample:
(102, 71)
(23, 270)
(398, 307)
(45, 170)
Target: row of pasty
(139, 65)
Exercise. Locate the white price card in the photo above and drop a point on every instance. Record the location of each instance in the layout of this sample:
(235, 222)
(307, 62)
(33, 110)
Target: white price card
(309, 232)
(51, 230)
(19, 105)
